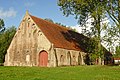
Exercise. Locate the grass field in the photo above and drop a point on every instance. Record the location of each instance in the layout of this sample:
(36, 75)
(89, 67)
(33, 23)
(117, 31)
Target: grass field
(61, 73)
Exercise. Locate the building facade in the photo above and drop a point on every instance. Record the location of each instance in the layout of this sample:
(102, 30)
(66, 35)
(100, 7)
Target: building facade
(38, 42)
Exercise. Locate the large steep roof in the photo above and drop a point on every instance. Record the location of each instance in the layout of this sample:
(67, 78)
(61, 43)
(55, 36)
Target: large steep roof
(61, 37)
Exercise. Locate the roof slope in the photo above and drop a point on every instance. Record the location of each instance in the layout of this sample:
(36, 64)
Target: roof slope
(61, 37)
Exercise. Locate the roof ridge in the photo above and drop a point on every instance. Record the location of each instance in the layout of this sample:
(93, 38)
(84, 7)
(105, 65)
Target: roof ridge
(51, 23)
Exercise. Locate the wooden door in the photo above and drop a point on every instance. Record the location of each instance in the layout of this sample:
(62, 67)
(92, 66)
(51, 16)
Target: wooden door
(43, 59)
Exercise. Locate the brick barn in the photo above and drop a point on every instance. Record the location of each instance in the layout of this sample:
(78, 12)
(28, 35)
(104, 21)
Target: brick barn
(38, 42)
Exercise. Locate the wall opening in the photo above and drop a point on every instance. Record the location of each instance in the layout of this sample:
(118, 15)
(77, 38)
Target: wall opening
(61, 60)
(68, 58)
(43, 59)
(28, 59)
(74, 60)
(79, 59)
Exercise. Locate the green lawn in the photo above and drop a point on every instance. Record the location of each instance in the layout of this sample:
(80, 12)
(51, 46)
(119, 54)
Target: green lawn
(61, 73)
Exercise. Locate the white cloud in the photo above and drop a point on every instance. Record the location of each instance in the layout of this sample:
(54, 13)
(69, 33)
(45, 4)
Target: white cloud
(28, 4)
(77, 28)
(7, 13)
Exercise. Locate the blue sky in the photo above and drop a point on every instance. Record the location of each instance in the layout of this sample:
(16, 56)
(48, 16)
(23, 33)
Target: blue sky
(12, 11)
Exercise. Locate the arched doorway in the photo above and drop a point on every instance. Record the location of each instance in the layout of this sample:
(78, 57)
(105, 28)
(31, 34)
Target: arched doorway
(68, 58)
(43, 59)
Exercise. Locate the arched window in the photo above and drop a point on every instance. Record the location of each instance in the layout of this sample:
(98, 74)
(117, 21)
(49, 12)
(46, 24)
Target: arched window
(28, 24)
(39, 33)
(68, 58)
(27, 58)
(74, 60)
(28, 18)
(61, 60)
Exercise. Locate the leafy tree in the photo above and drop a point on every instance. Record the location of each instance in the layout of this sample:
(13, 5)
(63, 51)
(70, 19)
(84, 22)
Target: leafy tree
(60, 24)
(111, 37)
(117, 53)
(113, 10)
(48, 19)
(98, 10)
(2, 28)
(5, 40)
(82, 9)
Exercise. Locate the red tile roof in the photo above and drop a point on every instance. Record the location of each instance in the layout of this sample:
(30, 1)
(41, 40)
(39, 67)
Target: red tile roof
(61, 37)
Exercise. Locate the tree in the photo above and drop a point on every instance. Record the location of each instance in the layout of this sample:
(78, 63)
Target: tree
(48, 19)
(117, 52)
(111, 37)
(60, 24)
(113, 10)
(82, 9)
(5, 40)
(2, 28)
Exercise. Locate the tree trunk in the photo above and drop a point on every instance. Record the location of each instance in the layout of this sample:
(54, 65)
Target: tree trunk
(99, 40)
(99, 61)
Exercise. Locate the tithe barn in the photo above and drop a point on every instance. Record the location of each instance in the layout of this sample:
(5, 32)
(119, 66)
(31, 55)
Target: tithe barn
(38, 42)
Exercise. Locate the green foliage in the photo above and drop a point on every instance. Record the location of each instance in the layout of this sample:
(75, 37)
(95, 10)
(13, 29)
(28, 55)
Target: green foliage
(118, 50)
(111, 37)
(96, 9)
(82, 9)
(2, 28)
(1, 23)
(61, 73)
(60, 24)
(113, 10)
(48, 19)
(117, 53)
(93, 58)
(5, 40)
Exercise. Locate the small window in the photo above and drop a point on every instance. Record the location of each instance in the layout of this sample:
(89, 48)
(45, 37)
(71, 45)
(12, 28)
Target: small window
(27, 50)
(33, 24)
(61, 58)
(74, 57)
(27, 58)
(39, 33)
(28, 18)
(28, 24)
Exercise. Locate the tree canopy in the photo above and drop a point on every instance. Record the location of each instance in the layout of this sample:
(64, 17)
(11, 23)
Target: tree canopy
(117, 55)
(98, 10)
(2, 28)
(5, 40)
